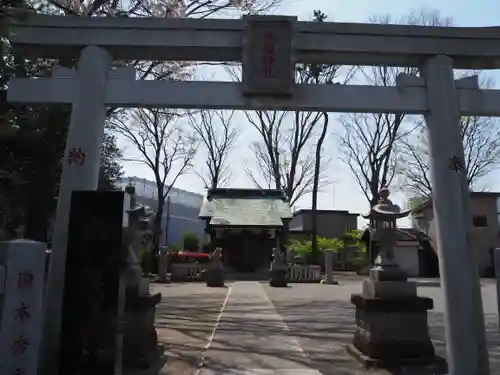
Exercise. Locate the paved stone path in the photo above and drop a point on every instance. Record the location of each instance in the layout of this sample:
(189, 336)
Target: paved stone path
(251, 338)
(249, 328)
(185, 319)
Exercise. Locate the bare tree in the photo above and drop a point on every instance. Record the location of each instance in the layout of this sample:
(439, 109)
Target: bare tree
(368, 141)
(317, 175)
(285, 154)
(368, 149)
(218, 135)
(320, 74)
(481, 142)
(164, 147)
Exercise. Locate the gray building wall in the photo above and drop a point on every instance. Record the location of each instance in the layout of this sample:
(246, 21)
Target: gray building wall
(483, 237)
(184, 209)
(331, 223)
(183, 219)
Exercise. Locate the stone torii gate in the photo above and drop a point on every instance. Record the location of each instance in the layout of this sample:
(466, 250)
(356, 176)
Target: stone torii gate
(269, 47)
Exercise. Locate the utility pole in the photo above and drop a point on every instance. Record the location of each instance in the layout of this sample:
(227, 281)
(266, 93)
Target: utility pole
(167, 221)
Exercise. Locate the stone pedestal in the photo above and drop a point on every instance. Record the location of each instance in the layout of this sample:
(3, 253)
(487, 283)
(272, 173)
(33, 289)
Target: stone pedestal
(391, 324)
(140, 343)
(214, 276)
(278, 275)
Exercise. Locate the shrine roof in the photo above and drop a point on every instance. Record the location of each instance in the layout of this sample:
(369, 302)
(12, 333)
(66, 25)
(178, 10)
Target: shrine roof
(402, 234)
(245, 207)
(428, 203)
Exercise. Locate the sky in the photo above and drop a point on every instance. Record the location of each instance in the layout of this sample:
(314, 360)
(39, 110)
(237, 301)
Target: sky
(343, 193)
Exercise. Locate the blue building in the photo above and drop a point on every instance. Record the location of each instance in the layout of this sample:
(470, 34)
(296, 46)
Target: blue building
(182, 217)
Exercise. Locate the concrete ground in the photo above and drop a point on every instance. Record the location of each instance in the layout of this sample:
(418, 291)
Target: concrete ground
(185, 320)
(249, 328)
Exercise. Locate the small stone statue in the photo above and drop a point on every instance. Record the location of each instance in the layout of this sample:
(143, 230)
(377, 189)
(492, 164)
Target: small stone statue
(214, 274)
(133, 270)
(279, 270)
(216, 258)
(140, 343)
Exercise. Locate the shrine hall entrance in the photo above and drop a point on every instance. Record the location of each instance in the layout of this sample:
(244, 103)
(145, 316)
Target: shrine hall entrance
(247, 250)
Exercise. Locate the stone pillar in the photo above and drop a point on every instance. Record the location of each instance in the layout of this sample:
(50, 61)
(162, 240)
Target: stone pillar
(163, 264)
(80, 172)
(21, 318)
(497, 277)
(457, 263)
(329, 269)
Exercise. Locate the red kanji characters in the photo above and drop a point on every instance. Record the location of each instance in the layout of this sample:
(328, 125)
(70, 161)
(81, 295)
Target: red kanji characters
(77, 156)
(268, 64)
(22, 313)
(25, 280)
(269, 42)
(269, 57)
(19, 345)
(456, 164)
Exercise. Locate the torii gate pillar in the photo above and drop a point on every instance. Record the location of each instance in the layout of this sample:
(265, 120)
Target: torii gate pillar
(464, 319)
(80, 171)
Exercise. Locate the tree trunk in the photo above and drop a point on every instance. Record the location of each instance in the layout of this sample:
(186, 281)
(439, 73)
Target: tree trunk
(314, 218)
(157, 222)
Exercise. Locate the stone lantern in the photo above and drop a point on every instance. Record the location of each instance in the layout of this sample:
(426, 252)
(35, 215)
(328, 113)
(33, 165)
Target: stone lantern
(391, 319)
(383, 217)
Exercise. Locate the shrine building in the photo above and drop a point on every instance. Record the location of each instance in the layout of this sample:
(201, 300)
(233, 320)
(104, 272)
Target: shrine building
(247, 224)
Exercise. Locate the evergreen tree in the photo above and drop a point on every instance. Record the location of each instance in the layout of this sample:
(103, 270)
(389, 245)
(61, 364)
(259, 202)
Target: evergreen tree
(32, 142)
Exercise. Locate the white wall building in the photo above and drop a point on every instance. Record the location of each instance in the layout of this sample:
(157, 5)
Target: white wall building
(184, 209)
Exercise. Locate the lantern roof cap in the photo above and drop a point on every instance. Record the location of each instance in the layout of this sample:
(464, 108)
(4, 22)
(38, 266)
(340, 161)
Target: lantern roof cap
(385, 208)
(137, 210)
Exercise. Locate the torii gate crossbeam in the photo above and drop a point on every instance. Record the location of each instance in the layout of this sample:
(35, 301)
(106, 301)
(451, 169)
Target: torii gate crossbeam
(223, 40)
(436, 51)
(129, 93)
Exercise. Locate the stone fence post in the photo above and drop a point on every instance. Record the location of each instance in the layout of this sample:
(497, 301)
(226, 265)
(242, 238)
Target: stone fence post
(163, 264)
(329, 257)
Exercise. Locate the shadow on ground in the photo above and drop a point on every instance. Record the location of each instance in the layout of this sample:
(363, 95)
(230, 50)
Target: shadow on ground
(325, 324)
(321, 323)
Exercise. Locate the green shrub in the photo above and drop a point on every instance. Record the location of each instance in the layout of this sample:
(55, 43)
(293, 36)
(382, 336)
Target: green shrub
(174, 247)
(304, 247)
(353, 239)
(330, 244)
(299, 247)
(190, 241)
